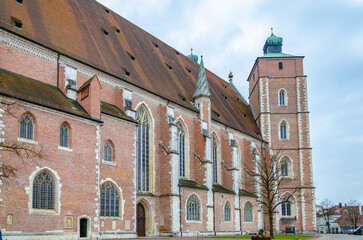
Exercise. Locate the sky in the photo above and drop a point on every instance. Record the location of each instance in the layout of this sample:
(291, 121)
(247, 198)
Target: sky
(230, 35)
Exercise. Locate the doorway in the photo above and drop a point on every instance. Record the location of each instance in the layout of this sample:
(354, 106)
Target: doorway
(83, 227)
(140, 225)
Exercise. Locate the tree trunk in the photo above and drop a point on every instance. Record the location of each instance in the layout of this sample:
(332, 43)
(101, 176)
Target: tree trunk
(271, 221)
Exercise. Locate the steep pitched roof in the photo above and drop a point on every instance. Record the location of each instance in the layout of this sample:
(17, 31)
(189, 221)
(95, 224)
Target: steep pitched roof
(85, 31)
(30, 90)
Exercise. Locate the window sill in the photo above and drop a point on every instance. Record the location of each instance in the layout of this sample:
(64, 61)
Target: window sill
(115, 218)
(108, 163)
(43, 212)
(24, 140)
(65, 149)
(193, 221)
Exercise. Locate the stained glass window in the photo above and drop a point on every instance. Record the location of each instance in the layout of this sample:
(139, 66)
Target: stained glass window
(193, 208)
(227, 212)
(286, 209)
(110, 201)
(181, 149)
(283, 127)
(64, 135)
(107, 152)
(247, 212)
(142, 150)
(284, 168)
(282, 97)
(214, 159)
(43, 191)
(26, 127)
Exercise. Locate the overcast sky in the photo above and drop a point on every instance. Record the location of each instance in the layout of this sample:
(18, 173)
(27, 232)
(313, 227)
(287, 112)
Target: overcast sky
(230, 35)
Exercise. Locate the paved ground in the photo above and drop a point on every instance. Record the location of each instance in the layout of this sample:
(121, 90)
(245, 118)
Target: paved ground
(340, 237)
(321, 237)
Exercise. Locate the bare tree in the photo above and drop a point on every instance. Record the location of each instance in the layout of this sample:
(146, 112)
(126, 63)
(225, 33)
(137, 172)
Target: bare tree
(352, 211)
(16, 150)
(326, 210)
(266, 176)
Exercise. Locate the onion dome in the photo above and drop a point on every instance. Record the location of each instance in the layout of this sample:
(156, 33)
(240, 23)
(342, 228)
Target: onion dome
(192, 56)
(273, 44)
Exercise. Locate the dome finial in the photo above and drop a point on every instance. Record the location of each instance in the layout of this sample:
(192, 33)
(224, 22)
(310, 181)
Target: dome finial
(193, 57)
(272, 30)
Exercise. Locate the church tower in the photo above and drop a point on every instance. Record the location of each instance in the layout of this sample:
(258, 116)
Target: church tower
(279, 102)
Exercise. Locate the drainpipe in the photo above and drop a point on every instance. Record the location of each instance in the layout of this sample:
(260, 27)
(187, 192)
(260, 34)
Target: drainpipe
(180, 212)
(58, 70)
(99, 180)
(240, 214)
(214, 215)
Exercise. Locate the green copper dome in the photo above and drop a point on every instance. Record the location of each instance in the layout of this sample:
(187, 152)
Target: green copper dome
(273, 44)
(192, 56)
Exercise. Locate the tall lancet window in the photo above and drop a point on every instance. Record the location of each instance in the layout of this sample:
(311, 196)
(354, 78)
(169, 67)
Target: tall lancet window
(181, 149)
(215, 159)
(282, 98)
(142, 150)
(283, 130)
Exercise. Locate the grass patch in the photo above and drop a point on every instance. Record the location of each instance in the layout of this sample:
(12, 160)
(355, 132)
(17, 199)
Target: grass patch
(277, 237)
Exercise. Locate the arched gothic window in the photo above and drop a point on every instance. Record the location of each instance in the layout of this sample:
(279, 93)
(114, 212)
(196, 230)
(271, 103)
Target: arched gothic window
(107, 152)
(286, 209)
(247, 212)
(43, 191)
(142, 150)
(27, 127)
(110, 201)
(282, 97)
(214, 159)
(284, 168)
(193, 208)
(283, 130)
(227, 212)
(181, 149)
(64, 135)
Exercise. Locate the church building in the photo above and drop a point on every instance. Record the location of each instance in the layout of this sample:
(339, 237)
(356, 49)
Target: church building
(125, 136)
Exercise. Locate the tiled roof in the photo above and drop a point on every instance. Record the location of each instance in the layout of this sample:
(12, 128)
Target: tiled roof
(113, 110)
(219, 188)
(202, 88)
(191, 184)
(85, 31)
(30, 90)
(245, 193)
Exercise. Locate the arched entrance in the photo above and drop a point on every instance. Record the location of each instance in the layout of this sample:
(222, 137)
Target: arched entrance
(141, 217)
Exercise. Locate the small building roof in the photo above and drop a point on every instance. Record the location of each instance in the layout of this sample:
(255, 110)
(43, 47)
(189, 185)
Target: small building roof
(30, 90)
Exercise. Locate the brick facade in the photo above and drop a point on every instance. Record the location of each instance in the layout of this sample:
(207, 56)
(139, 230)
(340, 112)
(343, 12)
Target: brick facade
(80, 170)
